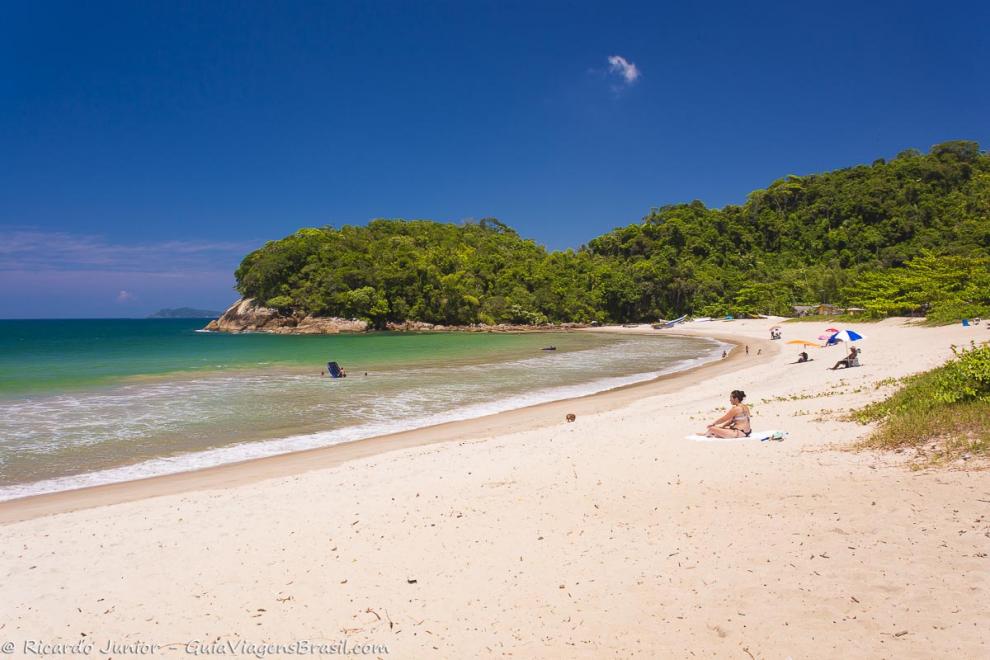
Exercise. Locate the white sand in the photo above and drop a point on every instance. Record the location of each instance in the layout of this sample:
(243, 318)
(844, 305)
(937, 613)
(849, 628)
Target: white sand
(611, 536)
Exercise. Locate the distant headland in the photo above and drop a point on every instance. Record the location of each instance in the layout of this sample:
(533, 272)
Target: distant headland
(184, 313)
(905, 237)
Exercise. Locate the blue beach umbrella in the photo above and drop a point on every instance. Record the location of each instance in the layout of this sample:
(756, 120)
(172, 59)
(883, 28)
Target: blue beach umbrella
(845, 335)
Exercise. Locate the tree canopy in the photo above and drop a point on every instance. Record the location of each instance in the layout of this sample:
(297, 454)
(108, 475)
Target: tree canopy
(894, 237)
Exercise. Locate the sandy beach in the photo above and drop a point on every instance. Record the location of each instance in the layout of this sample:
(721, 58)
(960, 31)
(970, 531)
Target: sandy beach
(523, 535)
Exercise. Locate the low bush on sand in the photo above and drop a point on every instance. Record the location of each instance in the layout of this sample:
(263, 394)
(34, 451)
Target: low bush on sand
(944, 413)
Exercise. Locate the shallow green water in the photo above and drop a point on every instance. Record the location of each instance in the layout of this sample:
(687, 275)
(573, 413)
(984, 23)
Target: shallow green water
(88, 402)
(38, 357)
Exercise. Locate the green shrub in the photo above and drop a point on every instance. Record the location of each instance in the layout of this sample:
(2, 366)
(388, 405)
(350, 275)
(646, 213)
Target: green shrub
(949, 405)
(279, 302)
(967, 378)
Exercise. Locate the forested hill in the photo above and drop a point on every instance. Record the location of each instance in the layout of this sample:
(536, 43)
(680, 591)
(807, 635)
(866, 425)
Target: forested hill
(879, 236)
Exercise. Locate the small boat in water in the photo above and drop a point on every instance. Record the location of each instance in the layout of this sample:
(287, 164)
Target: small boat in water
(549, 348)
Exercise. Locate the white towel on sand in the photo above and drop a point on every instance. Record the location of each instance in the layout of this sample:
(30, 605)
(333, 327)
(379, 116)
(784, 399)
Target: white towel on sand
(762, 436)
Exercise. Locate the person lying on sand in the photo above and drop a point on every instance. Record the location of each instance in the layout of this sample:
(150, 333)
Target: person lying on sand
(803, 357)
(849, 360)
(735, 422)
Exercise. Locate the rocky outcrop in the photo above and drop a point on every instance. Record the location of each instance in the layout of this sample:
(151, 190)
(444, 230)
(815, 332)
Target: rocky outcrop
(411, 326)
(246, 315)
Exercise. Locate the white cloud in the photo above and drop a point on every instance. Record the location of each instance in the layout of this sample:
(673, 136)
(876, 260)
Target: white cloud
(623, 68)
(125, 296)
(32, 250)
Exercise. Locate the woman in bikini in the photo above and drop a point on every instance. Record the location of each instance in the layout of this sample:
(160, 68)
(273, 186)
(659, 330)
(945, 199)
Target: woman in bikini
(735, 422)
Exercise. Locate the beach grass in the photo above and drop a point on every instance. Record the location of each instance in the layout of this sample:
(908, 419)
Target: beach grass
(944, 413)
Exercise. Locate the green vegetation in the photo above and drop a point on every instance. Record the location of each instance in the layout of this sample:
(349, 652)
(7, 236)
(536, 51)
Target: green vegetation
(808, 239)
(945, 287)
(909, 236)
(948, 407)
(427, 271)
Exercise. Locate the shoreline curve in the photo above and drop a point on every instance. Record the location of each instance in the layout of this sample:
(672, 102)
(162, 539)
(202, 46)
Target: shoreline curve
(237, 473)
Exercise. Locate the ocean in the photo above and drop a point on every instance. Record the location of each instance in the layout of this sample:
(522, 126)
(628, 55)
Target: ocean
(87, 402)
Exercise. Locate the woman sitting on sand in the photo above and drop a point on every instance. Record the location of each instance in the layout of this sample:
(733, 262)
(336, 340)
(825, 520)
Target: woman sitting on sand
(735, 422)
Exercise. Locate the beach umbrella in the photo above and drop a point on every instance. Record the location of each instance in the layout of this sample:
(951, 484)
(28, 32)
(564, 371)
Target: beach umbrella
(802, 342)
(831, 331)
(845, 335)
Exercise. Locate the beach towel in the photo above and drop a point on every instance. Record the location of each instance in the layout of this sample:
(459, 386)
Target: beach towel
(762, 436)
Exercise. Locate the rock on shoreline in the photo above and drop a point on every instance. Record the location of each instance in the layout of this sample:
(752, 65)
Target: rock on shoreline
(246, 315)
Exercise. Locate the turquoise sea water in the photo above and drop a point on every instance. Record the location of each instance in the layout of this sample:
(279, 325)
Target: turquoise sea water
(93, 401)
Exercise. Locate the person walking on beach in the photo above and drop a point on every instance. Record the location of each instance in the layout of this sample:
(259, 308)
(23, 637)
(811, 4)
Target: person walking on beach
(735, 422)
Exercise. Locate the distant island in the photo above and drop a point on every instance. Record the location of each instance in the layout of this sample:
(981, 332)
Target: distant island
(184, 313)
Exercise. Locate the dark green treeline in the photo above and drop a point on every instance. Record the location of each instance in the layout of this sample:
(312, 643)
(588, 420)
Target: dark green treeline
(911, 235)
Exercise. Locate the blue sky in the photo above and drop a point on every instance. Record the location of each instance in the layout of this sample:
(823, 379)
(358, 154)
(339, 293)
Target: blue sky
(145, 147)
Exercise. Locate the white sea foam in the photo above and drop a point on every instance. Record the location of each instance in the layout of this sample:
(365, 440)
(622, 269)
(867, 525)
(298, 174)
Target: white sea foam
(403, 413)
